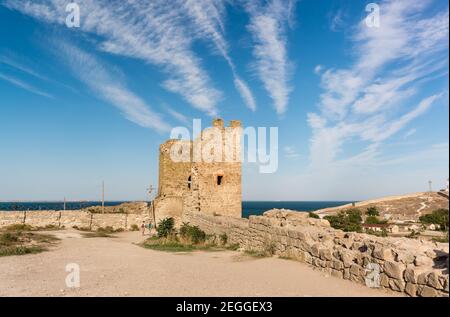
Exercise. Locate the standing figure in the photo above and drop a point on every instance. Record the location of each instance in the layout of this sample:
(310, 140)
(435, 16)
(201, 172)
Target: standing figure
(143, 227)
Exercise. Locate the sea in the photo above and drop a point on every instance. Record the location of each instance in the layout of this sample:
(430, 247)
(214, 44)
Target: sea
(248, 207)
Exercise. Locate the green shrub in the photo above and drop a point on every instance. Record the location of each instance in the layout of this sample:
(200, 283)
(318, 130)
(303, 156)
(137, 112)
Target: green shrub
(269, 248)
(233, 247)
(313, 215)
(374, 220)
(372, 212)
(134, 227)
(192, 233)
(347, 220)
(107, 229)
(98, 234)
(166, 227)
(223, 238)
(438, 217)
(20, 250)
(382, 233)
(8, 238)
(18, 227)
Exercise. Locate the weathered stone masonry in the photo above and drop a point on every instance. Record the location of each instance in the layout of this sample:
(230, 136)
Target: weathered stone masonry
(417, 268)
(199, 186)
(69, 219)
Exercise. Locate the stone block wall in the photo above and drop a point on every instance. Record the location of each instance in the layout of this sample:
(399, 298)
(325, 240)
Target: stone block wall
(69, 219)
(413, 267)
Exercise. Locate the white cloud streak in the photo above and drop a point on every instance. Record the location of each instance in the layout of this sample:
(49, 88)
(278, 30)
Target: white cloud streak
(291, 152)
(207, 17)
(104, 83)
(365, 102)
(156, 32)
(268, 25)
(21, 84)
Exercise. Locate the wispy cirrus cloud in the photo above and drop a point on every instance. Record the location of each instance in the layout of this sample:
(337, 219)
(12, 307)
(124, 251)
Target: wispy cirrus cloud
(268, 23)
(21, 84)
(178, 116)
(105, 84)
(207, 17)
(12, 62)
(25, 66)
(370, 101)
(410, 132)
(291, 152)
(157, 32)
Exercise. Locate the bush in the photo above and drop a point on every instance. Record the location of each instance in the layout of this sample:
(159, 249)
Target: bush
(109, 229)
(18, 227)
(134, 227)
(98, 234)
(437, 217)
(83, 229)
(21, 250)
(382, 233)
(346, 220)
(269, 248)
(166, 227)
(223, 238)
(372, 212)
(313, 215)
(8, 238)
(374, 220)
(192, 233)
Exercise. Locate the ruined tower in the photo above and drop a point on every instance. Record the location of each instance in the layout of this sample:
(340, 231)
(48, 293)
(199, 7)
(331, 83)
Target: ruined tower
(204, 177)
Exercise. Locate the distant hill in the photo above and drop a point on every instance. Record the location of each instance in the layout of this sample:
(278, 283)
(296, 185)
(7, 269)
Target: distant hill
(405, 207)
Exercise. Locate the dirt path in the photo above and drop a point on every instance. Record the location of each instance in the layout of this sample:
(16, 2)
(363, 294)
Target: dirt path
(117, 267)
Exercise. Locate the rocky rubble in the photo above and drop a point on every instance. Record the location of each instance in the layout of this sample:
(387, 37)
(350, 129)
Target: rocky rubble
(414, 267)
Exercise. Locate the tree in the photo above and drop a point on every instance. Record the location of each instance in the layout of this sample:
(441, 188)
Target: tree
(372, 212)
(374, 220)
(437, 217)
(346, 220)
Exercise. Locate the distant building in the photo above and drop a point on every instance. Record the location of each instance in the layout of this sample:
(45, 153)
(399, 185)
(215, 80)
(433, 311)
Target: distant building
(378, 227)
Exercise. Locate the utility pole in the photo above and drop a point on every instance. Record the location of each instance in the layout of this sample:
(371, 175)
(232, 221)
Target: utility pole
(103, 196)
(150, 191)
(152, 203)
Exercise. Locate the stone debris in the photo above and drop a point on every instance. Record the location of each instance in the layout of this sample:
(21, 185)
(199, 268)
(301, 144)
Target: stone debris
(414, 267)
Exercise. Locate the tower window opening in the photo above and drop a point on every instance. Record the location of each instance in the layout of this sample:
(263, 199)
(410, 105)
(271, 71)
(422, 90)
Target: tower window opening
(219, 180)
(189, 182)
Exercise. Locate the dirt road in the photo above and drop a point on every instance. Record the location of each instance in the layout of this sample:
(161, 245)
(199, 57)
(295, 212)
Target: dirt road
(118, 267)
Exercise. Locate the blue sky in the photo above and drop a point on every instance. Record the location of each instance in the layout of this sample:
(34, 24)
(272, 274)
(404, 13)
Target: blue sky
(362, 112)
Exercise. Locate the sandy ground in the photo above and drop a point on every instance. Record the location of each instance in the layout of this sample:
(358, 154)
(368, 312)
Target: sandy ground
(410, 206)
(118, 267)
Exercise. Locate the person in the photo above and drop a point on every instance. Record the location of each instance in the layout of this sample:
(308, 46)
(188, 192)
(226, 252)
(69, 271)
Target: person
(150, 228)
(143, 227)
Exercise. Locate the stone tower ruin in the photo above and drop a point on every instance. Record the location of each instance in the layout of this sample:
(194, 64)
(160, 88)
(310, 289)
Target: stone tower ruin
(203, 175)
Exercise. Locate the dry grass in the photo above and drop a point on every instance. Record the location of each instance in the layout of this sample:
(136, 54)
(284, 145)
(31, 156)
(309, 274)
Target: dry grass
(20, 242)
